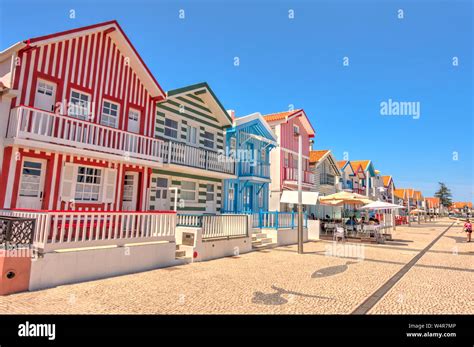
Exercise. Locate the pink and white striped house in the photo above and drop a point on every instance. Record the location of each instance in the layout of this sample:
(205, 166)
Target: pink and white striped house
(284, 159)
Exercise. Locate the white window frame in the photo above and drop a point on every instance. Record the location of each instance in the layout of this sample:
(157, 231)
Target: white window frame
(73, 106)
(190, 126)
(296, 129)
(195, 191)
(88, 184)
(214, 139)
(105, 116)
(213, 192)
(171, 129)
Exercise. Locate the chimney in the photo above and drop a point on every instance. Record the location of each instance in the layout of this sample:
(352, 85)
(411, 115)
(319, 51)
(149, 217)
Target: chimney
(311, 142)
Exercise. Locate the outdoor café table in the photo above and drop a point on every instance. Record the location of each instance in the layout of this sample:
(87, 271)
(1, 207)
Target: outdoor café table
(372, 229)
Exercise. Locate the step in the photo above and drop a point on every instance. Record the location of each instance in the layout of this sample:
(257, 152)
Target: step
(266, 240)
(180, 254)
(259, 235)
(264, 246)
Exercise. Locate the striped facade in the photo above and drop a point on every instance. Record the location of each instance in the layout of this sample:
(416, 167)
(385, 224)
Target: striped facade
(96, 61)
(284, 160)
(193, 119)
(250, 140)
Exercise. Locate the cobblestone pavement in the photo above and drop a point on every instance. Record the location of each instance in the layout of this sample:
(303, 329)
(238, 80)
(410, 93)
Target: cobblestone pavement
(326, 279)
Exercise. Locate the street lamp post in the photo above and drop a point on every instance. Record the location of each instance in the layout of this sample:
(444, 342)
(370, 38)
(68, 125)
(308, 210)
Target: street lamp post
(300, 194)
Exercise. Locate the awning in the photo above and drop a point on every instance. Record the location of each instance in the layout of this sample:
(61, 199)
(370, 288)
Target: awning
(291, 197)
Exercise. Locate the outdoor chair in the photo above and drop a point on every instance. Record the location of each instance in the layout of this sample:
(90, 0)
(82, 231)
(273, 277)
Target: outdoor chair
(339, 234)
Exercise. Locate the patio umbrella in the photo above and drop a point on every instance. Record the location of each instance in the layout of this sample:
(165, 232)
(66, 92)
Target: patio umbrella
(380, 205)
(344, 198)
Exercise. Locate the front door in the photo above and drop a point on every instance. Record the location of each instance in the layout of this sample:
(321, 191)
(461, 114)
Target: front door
(130, 191)
(210, 198)
(30, 194)
(161, 194)
(45, 96)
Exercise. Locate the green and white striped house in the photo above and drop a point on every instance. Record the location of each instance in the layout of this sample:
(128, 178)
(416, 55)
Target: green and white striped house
(192, 123)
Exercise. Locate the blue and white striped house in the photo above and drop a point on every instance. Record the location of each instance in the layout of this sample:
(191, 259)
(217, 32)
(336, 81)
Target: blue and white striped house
(249, 141)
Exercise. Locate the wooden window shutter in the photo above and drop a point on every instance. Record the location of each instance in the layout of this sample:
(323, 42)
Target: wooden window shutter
(68, 182)
(110, 178)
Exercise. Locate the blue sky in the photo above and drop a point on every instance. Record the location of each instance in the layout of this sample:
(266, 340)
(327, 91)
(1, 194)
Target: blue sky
(300, 62)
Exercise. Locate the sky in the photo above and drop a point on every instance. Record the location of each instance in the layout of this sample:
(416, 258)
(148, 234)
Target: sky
(338, 60)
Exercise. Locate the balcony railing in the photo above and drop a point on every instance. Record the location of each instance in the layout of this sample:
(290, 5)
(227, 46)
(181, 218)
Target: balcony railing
(77, 229)
(247, 168)
(31, 123)
(327, 179)
(291, 174)
(183, 154)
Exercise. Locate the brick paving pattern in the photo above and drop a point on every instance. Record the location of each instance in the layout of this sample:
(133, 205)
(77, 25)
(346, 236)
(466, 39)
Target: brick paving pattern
(280, 281)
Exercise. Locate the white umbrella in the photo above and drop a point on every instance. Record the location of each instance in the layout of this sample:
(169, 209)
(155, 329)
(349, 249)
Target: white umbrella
(380, 205)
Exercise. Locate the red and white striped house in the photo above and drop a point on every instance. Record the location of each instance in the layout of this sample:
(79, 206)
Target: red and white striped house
(284, 159)
(78, 115)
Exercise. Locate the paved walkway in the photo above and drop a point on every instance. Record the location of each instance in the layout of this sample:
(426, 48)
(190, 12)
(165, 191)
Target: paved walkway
(326, 279)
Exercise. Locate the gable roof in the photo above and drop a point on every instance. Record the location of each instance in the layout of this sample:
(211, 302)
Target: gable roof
(282, 117)
(315, 156)
(257, 118)
(203, 91)
(342, 164)
(364, 163)
(386, 180)
(111, 28)
(399, 193)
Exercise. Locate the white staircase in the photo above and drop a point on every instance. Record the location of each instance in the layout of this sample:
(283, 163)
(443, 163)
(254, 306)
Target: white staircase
(260, 240)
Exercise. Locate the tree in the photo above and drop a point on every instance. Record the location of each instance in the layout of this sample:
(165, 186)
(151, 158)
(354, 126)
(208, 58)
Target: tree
(444, 195)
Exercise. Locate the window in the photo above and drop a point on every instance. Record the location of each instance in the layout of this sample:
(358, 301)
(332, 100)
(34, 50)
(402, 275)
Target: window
(171, 128)
(233, 143)
(209, 192)
(88, 184)
(296, 129)
(45, 88)
(79, 105)
(162, 188)
(188, 191)
(231, 193)
(191, 135)
(286, 157)
(109, 114)
(263, 155)
(208, 140)
(260, 198)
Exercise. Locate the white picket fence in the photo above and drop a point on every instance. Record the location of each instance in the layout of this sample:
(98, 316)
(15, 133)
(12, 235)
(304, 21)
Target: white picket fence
(77, 229)
(225, 226)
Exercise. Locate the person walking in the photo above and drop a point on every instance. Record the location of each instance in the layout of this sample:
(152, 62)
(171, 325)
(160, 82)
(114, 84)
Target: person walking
(468, 230)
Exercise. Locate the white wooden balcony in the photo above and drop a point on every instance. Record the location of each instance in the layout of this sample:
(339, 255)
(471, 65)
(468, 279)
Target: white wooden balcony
(29, 123)
(186, 155)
